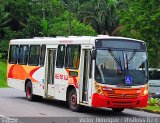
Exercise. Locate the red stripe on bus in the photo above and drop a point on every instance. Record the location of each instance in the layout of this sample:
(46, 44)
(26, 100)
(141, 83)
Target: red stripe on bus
(32, 71)
(10, 73)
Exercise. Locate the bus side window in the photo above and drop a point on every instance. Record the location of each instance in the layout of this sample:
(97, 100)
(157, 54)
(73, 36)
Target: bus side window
(60, 56)
(34, 55)
(42, 57)
(23, 54)
(13, 55)
(73, 56)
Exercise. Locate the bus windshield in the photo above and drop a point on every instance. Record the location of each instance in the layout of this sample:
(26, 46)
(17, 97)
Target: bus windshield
(113, 66)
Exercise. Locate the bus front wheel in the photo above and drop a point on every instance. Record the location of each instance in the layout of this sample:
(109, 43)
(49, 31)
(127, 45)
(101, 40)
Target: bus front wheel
(117, 109)
(73, 101)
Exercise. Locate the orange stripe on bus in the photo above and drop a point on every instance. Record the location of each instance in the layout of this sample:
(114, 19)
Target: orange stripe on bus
(18, 72)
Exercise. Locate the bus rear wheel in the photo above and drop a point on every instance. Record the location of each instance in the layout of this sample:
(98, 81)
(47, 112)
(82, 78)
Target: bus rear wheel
(29, 93)
(117, 109)
(73, 101)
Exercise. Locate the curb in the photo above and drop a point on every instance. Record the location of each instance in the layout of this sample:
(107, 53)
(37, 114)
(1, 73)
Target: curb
(145, 110)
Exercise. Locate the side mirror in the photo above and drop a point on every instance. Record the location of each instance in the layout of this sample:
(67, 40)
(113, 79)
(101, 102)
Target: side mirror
(94, 54)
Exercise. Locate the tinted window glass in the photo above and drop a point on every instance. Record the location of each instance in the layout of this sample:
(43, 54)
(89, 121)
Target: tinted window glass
(23, 54)
(42, 57)
(34, 55)
(73, 56)
(120, 44)
(60, 56)
(13, 55)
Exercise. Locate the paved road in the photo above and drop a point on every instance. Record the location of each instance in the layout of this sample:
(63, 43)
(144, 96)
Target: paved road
(14, 104)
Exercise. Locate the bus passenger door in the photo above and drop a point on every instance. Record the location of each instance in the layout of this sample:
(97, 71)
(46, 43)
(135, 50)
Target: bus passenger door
(86, 87)
(51, 55)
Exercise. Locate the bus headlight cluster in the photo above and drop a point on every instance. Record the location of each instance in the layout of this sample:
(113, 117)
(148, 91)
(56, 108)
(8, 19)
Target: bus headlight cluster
(145, 91)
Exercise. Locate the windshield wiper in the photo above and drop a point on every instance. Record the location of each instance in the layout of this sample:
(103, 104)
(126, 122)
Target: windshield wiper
(128, 60)
(132, 56)
(118, 61)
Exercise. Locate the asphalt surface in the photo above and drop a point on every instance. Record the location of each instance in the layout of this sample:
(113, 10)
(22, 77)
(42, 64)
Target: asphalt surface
(14, 105)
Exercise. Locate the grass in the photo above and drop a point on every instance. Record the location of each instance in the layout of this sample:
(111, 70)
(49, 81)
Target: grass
(3, 74)
(153, 108)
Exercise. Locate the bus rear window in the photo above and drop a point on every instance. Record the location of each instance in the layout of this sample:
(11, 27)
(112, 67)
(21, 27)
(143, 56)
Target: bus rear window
(13, 55)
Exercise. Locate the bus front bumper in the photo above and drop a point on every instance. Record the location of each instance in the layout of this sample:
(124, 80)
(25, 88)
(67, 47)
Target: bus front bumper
(103, 101)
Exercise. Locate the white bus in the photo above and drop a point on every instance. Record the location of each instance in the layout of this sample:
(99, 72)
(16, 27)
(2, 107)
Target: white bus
(154, 82)
(98, 71)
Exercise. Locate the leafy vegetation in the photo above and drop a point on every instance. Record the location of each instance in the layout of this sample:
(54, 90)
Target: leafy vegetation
(3, 68)
(153, 102)
(153, 108)
(34, 18)
(141, 20)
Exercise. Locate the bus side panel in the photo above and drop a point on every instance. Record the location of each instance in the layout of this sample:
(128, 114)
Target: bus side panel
(15, 83)
(17, 75)
(63, 80)
(61, 83)
(13, 80)
(38, 87)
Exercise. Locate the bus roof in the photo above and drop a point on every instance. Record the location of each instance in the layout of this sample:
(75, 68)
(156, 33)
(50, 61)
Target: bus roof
(67, 40)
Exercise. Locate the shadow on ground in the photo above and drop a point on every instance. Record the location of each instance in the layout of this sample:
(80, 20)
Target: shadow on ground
(88, 110)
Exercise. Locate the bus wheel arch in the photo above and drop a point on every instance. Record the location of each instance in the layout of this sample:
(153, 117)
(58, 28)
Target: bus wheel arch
(69, 88)
(26, 81)
(29, 92)
(71, 97)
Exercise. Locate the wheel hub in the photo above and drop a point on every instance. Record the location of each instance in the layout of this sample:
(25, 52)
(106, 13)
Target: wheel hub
(74, 100)
(28, 92)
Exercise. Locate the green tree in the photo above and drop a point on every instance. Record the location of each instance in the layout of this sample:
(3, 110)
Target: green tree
(34, 18)
(141, 20)
(60, 28)
(100, 14)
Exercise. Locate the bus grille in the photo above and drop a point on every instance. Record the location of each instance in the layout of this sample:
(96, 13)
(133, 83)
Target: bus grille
(127, 94)
(123, 104)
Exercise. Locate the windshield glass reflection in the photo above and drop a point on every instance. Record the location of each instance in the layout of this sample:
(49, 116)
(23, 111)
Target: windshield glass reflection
(113, 66)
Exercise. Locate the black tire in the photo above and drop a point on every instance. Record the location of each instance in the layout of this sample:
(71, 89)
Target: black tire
(73, 101)
(118, 109)
(29, 93)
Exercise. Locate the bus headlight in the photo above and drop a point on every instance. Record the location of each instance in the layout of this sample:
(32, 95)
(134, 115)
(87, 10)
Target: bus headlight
(145, 92)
